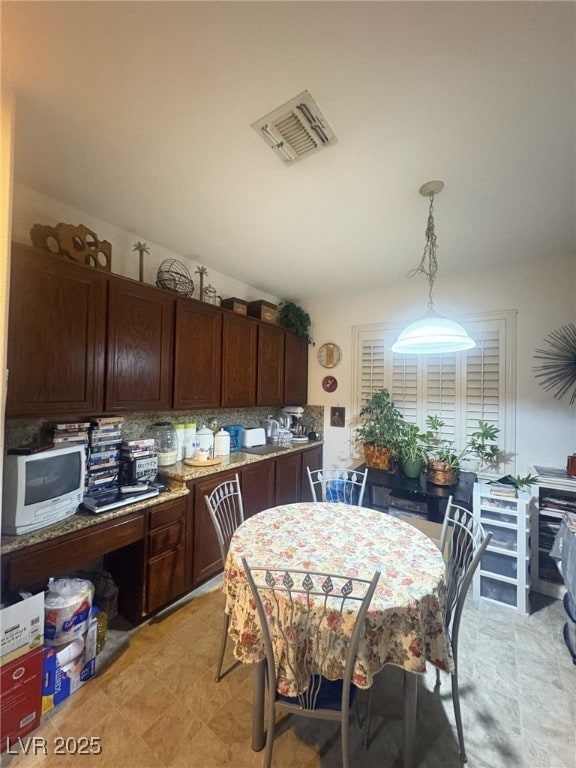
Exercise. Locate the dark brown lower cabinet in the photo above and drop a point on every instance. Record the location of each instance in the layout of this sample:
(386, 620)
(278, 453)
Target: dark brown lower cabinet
(288, 478)
(257, 482)
(312, 459)
(165, 571)
(150, 573)
(206, 558)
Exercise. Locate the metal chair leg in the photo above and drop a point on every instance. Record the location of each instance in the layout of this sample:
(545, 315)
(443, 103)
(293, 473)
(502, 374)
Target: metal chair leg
(458, 714)
(222, 647)
(367, 720)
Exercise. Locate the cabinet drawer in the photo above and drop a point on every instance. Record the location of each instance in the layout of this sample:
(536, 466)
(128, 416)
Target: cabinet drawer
(166, 538)
(167, 513)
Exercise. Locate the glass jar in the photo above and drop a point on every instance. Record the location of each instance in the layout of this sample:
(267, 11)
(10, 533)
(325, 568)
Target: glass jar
(166, 441)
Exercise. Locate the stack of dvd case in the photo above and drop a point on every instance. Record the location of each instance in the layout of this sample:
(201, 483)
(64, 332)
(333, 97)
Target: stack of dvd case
(63, 434)
(139, 461)
(105, 439)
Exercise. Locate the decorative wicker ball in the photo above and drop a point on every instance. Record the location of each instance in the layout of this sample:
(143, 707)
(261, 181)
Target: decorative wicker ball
(174, 276)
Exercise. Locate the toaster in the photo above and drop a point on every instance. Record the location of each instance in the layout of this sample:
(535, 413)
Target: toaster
(254, 436)
(236, 436)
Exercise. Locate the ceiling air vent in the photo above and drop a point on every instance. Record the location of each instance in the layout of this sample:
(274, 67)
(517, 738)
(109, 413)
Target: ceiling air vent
(296, 129)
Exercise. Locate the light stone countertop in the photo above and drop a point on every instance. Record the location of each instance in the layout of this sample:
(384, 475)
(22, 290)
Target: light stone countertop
(175, 476)
(182, 473)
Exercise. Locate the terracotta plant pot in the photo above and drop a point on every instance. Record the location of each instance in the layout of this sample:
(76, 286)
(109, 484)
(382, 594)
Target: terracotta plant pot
(377, 457)
(440, 473)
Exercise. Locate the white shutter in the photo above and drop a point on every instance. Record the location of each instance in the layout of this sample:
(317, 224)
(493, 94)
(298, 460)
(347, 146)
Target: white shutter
(461, 388)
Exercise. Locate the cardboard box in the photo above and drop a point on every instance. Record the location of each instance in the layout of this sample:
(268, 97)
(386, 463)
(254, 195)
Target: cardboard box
(21, 702)
(59, 682)
(21, 627)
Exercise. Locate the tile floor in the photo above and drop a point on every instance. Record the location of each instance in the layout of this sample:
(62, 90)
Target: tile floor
(154, 701)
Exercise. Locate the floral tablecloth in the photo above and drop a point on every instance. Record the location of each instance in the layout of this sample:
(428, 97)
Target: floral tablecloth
(404, 625)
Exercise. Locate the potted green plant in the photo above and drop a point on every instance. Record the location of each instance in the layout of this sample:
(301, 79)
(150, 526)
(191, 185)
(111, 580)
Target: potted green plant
(445, 460)
(412, 449)
(295, 319)
(380, 430)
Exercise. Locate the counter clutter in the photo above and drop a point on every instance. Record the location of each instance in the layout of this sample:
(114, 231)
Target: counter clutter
(175, 476)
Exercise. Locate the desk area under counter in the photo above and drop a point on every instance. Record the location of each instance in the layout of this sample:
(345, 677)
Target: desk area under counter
(161, 548)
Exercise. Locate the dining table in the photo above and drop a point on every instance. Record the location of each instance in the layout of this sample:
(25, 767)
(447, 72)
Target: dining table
(405, 620)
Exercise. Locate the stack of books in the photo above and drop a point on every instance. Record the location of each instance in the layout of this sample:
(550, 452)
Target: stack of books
(103, 468)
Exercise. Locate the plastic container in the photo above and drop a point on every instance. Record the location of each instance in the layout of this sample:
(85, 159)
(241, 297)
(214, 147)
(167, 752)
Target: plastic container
(190, 446)
(166, 440)
(180, 439)
(222, 443)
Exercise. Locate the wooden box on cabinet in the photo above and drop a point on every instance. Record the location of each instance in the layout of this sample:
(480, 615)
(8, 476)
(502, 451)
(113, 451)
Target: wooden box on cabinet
(56, 335)
(263, 310)
(503, 573)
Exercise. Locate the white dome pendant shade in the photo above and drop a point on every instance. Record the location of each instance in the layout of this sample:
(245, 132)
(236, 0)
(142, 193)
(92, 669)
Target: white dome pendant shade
(432, 334)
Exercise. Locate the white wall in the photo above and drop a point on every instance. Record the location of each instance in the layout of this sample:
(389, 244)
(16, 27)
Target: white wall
(31, 207)
(543, 295)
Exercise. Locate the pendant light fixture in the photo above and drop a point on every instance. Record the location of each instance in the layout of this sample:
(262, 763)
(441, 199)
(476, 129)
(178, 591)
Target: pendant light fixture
(432, 334)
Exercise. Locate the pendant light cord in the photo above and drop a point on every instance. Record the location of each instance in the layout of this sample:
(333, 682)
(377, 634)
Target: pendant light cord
(429, 262)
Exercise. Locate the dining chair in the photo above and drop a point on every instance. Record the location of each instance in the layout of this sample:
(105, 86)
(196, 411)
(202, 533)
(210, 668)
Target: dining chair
(343, 485)
(463, 541)
(302, 614)
(227, 512)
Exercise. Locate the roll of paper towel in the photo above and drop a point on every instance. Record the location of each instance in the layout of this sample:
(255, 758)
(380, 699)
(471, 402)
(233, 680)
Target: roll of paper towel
(66, 609)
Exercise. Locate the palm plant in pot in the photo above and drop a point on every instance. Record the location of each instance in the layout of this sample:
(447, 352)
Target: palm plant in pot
(445, 460)
(380, 430)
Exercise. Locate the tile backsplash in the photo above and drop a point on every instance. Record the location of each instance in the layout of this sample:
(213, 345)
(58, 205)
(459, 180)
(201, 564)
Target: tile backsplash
(21, 431)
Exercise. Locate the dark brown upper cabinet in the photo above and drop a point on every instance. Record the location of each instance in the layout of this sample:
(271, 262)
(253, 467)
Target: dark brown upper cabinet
(270, 365)
(295, 370)
(239, 350)
(56, 335)
(139, 347)
(197, 355)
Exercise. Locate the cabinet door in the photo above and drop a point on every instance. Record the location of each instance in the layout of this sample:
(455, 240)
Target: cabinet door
(312, 459)
(197, 355)
(206, 558)
(288, 478)
(257, 482)
(139, 353)
(238, 361)
(270, 367)
(295, 370)
(56, 331)
(165, 580)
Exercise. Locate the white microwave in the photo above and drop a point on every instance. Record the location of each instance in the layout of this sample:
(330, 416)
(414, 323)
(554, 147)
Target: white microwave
(42, 488)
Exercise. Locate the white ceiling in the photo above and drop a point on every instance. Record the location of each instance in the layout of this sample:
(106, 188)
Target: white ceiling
(140, 113)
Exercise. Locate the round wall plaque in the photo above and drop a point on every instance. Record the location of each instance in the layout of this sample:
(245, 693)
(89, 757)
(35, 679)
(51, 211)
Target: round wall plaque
(329, 355)
(329, 384)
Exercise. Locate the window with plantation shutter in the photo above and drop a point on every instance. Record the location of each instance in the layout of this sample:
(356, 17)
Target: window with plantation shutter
(461, 388)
